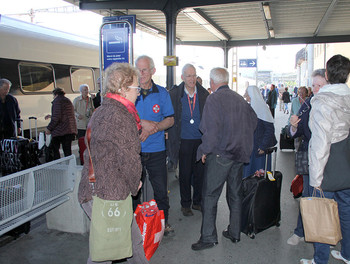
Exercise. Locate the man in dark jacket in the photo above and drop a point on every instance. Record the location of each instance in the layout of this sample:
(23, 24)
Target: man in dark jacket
(272, 99)
(188, 100)
(228, 126)
(63, 126)
(9, 111)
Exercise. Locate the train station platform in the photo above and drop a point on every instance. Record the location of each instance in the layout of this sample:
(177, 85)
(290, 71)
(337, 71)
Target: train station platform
(42, 245)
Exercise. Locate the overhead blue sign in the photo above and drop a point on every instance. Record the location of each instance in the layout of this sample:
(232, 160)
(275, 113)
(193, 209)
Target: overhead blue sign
(130, 18)
(247, 63)
(115, 46)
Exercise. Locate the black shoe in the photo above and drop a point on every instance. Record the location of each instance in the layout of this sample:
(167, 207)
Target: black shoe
(186, 211)
(169, 231)
(197, 207)
(203, 245)
(226, 234)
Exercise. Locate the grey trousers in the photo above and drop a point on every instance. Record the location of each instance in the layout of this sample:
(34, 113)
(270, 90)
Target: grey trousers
(219, 170)
(138, 256)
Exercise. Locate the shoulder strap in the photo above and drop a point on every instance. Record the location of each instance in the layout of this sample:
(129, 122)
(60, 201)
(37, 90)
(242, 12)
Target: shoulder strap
(92, 178)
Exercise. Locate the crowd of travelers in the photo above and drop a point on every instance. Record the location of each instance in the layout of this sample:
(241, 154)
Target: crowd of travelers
(215, 137)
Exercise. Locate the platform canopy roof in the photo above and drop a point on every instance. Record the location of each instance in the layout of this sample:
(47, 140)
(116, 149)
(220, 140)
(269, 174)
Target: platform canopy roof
(236, 22)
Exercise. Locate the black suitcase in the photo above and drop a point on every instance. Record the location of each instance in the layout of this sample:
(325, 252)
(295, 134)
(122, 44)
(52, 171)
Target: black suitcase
(33, 147)
(261, 201)
(286, 142)
(14, 153)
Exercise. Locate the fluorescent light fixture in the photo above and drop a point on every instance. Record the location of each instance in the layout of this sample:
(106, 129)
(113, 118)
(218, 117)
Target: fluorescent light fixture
(267, 11)
(214, 31)
(196, 17)
(272, 33)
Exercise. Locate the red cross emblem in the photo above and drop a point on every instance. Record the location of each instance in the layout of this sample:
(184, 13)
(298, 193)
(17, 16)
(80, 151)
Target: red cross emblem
(156, 108)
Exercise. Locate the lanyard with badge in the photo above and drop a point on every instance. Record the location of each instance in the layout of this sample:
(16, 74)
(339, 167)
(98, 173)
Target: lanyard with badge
(190, 105)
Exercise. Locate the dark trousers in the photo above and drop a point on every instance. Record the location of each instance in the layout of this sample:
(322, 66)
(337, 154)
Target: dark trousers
(272, 110)
(66, 142)
(81, 133)
(188, 167)
(219, 170)
(155, 164)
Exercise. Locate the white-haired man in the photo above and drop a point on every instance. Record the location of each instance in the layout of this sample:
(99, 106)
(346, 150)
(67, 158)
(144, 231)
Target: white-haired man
(156, 113)
(184, 137)
(9, 111)
(228, 125)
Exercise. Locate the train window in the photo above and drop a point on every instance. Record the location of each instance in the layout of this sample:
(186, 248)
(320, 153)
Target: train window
(36, 77)
(82, 76)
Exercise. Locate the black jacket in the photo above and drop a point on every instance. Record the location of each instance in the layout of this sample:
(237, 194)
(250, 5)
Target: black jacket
(176, 93)
(8, 130)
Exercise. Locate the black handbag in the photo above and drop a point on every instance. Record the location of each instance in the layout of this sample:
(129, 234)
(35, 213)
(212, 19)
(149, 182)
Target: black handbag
(302, 162)
(336, 175)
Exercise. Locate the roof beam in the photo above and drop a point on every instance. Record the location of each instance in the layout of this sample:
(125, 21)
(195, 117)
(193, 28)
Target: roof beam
(122, 4)
(151, 4)
(325, 17)
(272, 41)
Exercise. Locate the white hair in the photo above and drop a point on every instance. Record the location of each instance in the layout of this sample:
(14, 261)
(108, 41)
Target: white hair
(3, 81)
(145, 57)
(219, 75)
(184, 68)
(81, 87)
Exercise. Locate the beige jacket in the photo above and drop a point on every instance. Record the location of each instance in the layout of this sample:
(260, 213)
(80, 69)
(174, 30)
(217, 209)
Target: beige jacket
(80, 108)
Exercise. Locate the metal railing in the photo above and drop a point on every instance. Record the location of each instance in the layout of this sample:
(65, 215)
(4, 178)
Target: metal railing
(30, 193)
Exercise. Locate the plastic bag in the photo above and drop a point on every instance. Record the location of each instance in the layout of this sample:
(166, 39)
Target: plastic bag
(151, 222)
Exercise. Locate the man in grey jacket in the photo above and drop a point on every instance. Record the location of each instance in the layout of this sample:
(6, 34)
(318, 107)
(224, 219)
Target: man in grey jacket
(228, 125)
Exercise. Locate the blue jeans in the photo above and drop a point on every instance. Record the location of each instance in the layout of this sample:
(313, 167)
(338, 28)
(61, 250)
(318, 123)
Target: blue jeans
(299, 230)
(321, 254)
(219, 170)
(155, 164)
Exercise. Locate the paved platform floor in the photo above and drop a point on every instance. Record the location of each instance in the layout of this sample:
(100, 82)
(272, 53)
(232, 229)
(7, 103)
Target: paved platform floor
(269, 247)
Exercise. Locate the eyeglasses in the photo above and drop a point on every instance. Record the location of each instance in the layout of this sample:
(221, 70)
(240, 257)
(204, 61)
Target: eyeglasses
(135, 87)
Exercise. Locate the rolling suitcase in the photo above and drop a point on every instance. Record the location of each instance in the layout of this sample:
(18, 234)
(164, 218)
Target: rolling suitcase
(33, 147)
(261, 201)
(14, 153)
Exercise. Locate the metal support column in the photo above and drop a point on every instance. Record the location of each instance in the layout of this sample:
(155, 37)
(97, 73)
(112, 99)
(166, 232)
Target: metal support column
(171, 13)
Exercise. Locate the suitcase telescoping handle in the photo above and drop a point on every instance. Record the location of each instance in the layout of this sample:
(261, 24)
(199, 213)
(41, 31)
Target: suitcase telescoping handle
(21, 125)
(36, 127)
(267, 152)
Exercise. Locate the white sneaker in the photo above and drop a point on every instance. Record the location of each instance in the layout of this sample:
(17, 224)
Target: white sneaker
(294, 240)
(307, 261)
(336, 254)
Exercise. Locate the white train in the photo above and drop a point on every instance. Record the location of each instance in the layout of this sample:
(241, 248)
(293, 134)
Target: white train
(37, 59)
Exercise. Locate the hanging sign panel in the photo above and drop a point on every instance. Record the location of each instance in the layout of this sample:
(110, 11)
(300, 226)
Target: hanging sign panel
(247, 63)
(115, 46)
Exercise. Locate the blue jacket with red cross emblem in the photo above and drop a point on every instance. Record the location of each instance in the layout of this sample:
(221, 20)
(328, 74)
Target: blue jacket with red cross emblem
(155, 106)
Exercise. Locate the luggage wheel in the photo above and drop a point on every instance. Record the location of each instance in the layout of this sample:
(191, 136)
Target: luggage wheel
(251, 235)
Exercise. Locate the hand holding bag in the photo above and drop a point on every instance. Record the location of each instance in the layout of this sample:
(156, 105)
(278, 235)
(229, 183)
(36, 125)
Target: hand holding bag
(320, 219)
(110, 228)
